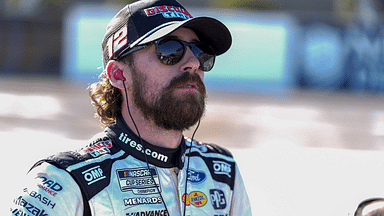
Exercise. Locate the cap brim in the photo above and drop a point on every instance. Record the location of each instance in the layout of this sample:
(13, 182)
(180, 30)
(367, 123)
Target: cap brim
(209, 30)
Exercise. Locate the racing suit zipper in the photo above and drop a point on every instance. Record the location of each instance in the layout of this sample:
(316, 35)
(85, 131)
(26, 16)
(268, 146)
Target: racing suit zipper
(174, 174)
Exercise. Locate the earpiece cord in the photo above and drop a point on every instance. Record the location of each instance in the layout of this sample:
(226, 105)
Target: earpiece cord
(186, 176)
(141, 141)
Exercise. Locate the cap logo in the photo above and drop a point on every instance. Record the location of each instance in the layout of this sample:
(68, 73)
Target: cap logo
(117, 41)
(168, 12)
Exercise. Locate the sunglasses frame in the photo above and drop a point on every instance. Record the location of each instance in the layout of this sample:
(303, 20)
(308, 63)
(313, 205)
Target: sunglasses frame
(192, 46)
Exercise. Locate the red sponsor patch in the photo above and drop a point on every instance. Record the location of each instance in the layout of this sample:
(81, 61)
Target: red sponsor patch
(98, 148)
(168, 12)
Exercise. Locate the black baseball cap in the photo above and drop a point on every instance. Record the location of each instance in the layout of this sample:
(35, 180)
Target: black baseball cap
(145, 21)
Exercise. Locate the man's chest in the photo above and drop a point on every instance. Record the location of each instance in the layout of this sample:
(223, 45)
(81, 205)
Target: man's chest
(138, 190)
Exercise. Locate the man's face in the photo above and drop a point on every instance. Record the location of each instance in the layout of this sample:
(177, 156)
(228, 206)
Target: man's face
(172, 97)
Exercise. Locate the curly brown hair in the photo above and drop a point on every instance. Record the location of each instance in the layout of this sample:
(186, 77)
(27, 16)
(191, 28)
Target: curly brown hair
(106, 98)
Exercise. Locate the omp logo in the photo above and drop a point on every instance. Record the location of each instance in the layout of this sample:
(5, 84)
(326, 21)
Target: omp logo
(218, 200)
(139, 181)
(168, 12)
(93, 175)
(221, 167)
(196, 176)
(140, 148)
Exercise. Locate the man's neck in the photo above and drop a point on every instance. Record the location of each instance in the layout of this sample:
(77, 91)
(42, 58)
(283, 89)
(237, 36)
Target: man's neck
(153, 134)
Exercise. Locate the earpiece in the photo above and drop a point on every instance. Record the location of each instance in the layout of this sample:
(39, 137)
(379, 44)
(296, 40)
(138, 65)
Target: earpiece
(116, 71)
(118, 74)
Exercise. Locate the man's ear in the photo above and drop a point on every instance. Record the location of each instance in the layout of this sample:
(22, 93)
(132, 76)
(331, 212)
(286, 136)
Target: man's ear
(115, 74)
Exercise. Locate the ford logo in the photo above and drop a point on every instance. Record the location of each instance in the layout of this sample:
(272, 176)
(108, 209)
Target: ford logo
(196, 176)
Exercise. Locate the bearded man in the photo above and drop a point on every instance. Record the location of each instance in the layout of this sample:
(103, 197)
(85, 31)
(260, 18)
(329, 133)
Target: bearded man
(155, 55)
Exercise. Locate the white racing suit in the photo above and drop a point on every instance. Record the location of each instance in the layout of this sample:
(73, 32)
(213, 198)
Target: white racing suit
(110, 176)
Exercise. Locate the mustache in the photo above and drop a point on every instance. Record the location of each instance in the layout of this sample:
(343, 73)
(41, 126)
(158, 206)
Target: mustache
(184, 78)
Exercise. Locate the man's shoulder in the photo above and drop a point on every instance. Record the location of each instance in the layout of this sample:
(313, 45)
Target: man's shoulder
(90, 166)
(98, 147)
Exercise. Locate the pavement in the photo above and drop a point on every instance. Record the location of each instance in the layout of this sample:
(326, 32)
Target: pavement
(300, 153)
(238, 120)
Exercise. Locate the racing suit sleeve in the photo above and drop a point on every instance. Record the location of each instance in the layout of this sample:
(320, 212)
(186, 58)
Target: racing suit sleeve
(48, 191)
(240, 202)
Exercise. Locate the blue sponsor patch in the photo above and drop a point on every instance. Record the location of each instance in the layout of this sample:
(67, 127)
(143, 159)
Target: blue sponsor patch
(196, 176)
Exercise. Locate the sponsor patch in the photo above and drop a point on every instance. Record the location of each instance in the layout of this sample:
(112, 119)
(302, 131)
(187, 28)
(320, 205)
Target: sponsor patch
(101, 147)
(49, 186)
(28, 208)
(195, 198)
(142, 200)
(140, 148)
(44, 200)
(93, 175)
(139, 180)
(218, 200)
(168, 12)
(196, 176)
(222, 168)
(153, 212)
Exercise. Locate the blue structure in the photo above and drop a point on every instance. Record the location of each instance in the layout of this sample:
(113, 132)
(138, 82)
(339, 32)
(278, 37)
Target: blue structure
(257, 59)
(271, 52)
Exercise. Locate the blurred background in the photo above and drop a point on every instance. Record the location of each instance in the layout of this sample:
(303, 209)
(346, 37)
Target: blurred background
(298, 98)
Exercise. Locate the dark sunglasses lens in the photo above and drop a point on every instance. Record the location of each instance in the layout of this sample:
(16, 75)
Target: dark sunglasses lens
(170, 52)
(205, 55)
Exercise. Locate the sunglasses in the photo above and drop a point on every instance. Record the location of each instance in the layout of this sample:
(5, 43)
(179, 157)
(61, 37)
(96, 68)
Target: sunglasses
(170, 51)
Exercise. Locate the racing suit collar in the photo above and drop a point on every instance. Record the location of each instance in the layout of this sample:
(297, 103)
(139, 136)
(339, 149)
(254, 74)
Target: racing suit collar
(159, 156)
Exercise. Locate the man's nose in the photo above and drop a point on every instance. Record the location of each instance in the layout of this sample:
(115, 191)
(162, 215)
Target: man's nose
(190, 62)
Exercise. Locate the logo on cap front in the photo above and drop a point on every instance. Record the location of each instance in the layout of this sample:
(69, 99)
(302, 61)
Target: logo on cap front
(168, 12)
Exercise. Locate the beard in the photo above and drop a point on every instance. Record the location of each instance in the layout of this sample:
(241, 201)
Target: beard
(165, 110)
